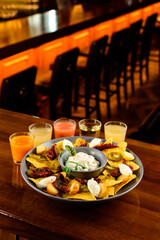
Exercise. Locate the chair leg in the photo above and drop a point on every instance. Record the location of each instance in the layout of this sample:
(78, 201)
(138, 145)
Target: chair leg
(108, 99)
(98, 105)
(125, 85)
(17, 237)
(132, 81)
(76, 92)
(53, 109)
(147, 69)
(159, 59)
(87, 100)
(141, 68)
(118, 91)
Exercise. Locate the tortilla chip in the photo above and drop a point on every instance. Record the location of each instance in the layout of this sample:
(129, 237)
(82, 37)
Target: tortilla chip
(106, 175)
(35, 180)
(123, 177)
(111, 182)
(103, 191)
(106, 172)
(122, 146)
(83, 196)
(111, 191)
(109, 140)
(79, 142)
(59, 146)
(36, 163)
(54, 165)
(115, 164)
(130, 178)
(133, 165)
(117, 149)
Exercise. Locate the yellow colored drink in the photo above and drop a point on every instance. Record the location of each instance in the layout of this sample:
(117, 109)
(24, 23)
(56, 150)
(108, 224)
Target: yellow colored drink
(42, 132)
(90, 127)
(115, 130)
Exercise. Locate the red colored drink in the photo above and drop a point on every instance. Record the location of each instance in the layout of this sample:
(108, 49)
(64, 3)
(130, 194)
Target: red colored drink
(64, 128)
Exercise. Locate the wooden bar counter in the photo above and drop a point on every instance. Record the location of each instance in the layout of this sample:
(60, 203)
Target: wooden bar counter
(36, 40)
(29, 32)
(134, 216)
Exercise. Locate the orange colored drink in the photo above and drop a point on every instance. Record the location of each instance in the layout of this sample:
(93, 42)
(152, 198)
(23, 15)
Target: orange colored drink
(64, 128)
(20, 144)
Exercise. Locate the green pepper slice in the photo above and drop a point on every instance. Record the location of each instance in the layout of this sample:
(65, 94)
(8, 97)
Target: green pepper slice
(108, 167)
(114, 156)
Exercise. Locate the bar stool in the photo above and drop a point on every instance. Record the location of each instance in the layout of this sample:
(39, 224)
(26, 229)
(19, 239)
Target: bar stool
(155, 45)
(145, 47)
(18, 92)
(114, 64)
(130, 56)
(59, 88)
(91, 73)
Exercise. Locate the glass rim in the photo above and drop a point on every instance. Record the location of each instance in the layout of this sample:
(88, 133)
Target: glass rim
(21, 134)
(90, 119)
(33, 125)
(119, 123)
(64, 120)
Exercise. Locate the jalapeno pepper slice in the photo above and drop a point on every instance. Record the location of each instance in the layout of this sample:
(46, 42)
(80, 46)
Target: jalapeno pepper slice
(114, 156)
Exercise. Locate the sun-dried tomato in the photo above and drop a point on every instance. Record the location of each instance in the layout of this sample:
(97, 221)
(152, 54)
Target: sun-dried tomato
(39, 172)
(84, 181)
(103, 146)
(61, 183)
(52, 152)
(83, 144)
(115, 173)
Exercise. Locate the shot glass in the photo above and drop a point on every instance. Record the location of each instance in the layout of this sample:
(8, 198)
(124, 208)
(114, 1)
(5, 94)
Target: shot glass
(90, 127)
(64, 127)
(42, 132)
(116, 130)
(21, 143)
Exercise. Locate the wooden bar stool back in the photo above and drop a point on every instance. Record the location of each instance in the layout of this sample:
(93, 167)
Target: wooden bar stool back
(92, 78)
(59, 89)
(18, 94)
(114, 65)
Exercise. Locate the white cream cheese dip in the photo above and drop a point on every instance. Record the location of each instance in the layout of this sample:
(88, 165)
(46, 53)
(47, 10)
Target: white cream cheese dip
(82, 161)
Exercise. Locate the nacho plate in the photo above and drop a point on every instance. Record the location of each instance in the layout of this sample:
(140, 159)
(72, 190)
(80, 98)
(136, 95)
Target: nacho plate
(127, 188)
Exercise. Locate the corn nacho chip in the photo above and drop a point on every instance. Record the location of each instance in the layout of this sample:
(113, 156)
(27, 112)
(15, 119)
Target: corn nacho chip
(133, 165)
(122, 146)
(103, 191)
(36, 163)
(106, 175)
(54, 165)
(114, 164)
(126, 180)
(116, 149)
(79, 142)
(59, 146)
(82, 196)
(109, 140)
(111, 182)
(111, 191)
(128, 156)
(35, 180)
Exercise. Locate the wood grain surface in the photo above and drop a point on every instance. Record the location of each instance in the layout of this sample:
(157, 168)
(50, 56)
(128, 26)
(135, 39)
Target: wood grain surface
(134, 216)
(29, 32)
